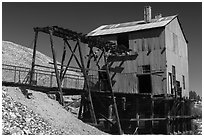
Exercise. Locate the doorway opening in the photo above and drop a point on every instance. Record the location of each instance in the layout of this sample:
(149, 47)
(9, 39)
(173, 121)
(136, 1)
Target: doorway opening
(145, 84)
(123, 40)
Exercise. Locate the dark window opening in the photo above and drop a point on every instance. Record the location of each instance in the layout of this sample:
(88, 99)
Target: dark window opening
(146, 68)
(123, 40)
(145, 85)
(183, 82)
(174, 75)
(170, 82)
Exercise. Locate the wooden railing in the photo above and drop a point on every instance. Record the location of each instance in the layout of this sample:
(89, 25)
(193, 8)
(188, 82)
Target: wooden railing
(42, 76)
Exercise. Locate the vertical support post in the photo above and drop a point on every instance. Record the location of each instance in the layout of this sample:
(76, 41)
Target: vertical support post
(89, 58)
(51, 79)
(36, 77)
(19, 77)
(86, 83)
(62, 62)
(33, 59)
(152, 114)
(81, 107)
(61, 101)
(14, 74)
(137, 112)
(166, 108)
(112, 95)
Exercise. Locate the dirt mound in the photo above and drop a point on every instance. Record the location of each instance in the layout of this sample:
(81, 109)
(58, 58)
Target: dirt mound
(14, 54)
(17, 119)
(50, 111)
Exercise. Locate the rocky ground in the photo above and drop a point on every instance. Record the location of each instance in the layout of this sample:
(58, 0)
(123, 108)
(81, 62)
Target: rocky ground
(38, 115)
(17, 119)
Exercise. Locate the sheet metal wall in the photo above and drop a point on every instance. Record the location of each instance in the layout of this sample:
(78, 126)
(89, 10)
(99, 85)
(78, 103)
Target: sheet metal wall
(177, 54)
(159, 42)
(142, 42)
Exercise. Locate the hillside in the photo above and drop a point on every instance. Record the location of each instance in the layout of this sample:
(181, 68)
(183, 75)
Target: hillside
(39, 114)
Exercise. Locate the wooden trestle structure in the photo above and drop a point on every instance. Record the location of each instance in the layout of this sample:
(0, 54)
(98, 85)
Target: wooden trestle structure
(119, 112)
(68, 35)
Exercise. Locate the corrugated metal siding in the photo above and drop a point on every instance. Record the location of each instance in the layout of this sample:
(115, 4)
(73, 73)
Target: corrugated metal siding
(141, 42)
(130, 26)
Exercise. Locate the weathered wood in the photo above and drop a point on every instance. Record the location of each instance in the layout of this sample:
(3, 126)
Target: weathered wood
(81, 105)
(152, 115)
(67, 43)
(93, 116)
(14, 74)
(117, 69)
(121, 58)
(61, 100)
(112, 95)
(62, 61)
(70, 59)
(33, 58)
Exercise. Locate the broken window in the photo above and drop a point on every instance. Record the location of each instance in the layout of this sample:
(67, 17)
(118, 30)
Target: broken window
(123, 40)
(170, 84)
(146, 69)
(183, 82)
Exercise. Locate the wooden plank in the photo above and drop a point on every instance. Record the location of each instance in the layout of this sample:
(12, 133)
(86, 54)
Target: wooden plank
(62, 62)
(117, 69)
(121, 58)
(61, 100)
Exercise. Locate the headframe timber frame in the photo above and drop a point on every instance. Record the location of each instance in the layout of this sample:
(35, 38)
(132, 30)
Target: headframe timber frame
(105, 46)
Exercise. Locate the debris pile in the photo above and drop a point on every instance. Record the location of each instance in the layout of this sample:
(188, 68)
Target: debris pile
(17, 119)
(43, 115)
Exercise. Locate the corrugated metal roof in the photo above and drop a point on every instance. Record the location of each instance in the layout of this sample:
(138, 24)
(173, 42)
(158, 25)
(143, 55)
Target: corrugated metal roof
(130, 26)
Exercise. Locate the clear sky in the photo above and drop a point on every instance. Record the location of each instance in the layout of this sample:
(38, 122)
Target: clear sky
(18, 19)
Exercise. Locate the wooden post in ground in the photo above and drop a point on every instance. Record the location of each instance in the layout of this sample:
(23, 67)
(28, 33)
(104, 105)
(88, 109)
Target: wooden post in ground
(33, 59)
(81, 107)
(60, 94)
(93, 116)
(166, 108)
(137, 112)
(152, 115)
(112, 95)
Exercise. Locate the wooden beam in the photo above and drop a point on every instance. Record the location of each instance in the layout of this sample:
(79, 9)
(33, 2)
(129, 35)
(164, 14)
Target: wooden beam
(70, 59)
(61, 101)
(62, 62)
(93, 116)
(33, 59)
(112, 95)
(121, 58)
(73, 53)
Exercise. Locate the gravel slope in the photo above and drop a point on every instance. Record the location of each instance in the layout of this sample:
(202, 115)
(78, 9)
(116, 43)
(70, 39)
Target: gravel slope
(54, 118)
(49, 110)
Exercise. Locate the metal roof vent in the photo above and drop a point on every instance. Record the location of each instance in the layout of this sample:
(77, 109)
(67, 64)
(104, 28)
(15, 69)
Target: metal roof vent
(147, 14)
(158, 16)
